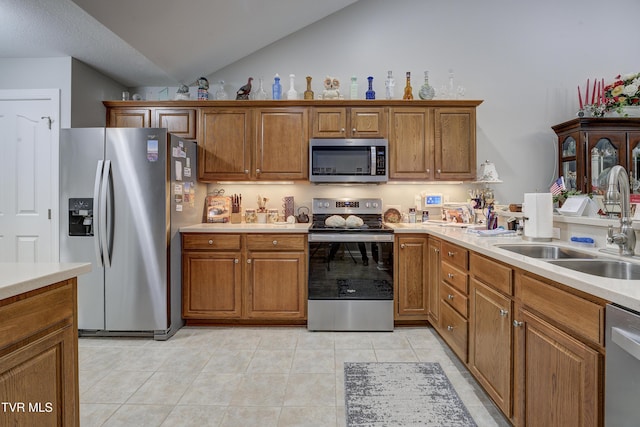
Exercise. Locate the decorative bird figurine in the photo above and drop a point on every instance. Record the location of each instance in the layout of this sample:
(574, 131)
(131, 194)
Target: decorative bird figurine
(244, 91)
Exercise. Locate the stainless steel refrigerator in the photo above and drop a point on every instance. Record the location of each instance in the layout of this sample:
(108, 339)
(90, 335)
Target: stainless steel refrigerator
(124, 193)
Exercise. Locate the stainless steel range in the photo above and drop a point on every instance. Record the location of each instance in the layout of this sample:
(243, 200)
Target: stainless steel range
(350, 267)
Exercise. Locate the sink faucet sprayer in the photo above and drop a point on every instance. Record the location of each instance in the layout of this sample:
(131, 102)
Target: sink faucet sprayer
(618, 192)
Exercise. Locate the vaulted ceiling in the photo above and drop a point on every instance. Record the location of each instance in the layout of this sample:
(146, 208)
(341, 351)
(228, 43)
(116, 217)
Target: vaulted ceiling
(153, 42)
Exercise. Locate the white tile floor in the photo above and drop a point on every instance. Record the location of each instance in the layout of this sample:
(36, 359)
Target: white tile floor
(237, 376)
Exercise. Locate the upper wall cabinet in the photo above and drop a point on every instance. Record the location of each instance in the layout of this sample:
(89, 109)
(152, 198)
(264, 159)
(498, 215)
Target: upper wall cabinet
(269, 140)
(589, 147)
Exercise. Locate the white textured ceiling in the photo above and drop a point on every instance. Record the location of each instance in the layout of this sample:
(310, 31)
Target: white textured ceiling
(153, 42)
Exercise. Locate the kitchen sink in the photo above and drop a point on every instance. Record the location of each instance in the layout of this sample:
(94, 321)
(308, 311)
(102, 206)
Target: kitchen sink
(610, 268)
(546, 251)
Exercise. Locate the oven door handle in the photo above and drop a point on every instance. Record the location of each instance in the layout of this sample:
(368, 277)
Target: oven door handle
(628, 341)
(350, 237)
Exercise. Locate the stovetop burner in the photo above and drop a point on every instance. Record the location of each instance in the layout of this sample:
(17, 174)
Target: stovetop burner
(369, 210)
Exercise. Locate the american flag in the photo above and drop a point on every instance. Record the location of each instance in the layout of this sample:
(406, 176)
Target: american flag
(558, 186)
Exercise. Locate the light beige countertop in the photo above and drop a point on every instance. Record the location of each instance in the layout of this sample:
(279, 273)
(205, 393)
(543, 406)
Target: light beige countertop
(623, 292)
(246, 228)
(18, 278)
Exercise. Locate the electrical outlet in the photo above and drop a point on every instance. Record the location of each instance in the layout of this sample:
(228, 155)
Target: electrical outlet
(555, 233)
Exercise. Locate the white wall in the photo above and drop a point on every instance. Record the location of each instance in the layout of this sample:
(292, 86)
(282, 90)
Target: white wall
(89, 89)
(524, 59)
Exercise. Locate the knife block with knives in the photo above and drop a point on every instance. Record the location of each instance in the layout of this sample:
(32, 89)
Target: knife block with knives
(236, 202)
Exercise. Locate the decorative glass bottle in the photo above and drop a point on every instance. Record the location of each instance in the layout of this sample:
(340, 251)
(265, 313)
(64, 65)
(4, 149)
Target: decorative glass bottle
(260, 94)
(408, 91)
(353, 94)
(451, 90)
(308, 94)
(426, 91)
(276, 88)
(390, 85)
(292, 93)
(371, 94)
(220, 93)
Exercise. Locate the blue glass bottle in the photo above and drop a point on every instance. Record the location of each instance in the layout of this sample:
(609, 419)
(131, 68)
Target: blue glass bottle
(276, 87)
(371, 94)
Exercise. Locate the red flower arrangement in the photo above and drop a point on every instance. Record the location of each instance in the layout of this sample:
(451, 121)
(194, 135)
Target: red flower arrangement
(623, 92)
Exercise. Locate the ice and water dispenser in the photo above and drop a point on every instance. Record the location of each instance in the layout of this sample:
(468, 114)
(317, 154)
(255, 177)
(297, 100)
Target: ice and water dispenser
(80, 217)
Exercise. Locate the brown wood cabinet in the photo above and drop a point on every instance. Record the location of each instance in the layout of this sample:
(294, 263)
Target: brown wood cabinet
(179, 121)
(344, 122)
(129, 118)
(244, 278)
(454, 291)
(411, 282)
(558, 354)
(434, 280)
(39, 357)
(490, 329)
(455, 143)
(589, 146)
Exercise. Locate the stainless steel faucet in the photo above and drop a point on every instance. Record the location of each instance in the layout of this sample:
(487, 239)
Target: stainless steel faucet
(618, 192)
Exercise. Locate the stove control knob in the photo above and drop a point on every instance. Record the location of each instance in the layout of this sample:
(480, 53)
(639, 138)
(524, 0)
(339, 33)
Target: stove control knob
(375, 205)
(367, 205)
(326, 205)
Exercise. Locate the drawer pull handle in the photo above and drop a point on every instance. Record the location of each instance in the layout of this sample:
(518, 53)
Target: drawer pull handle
(449, 328)
(450, 275)
(451, 253)
(275, 242)
(517, 324)
(450, 296)
(210, 242)
(503, 312)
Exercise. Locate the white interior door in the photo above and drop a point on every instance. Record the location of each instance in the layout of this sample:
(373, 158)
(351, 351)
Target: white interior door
(29, 127)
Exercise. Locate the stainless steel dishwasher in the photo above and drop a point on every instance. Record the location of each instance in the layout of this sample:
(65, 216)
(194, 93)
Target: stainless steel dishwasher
(622, 368)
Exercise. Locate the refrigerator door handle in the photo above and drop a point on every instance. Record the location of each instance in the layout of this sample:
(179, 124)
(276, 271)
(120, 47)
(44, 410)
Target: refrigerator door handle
(104, 239)
(97, 214)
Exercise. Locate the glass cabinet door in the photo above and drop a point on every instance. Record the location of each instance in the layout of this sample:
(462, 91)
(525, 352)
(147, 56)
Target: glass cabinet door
(634, 161)
(604, 152)
(568, 163)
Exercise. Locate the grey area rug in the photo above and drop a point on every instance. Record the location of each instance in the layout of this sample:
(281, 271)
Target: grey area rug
(402, 394)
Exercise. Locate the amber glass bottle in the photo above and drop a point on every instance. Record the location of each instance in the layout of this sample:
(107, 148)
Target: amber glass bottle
(408, 91)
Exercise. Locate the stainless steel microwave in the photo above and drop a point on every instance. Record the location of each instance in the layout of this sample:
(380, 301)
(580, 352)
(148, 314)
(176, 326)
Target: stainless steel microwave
(348, 160)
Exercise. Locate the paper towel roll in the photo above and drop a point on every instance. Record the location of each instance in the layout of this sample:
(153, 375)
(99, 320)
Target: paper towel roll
(538, 213)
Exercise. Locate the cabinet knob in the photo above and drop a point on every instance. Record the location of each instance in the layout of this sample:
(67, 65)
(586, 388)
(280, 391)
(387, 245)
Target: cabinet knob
(436, 250)
(354, 130)
(342, 130)
(428, 170)
(450, 296)
(236, 261)
(246, 171)
(275, 242)
(439, 171)
(210, 242)
(503, 312)
(450, 275)
(257, 170)
(402, 246)
(517, 324)
(248, 261)
(449, 328)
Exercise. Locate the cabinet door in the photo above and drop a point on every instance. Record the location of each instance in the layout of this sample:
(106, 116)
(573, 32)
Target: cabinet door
(411, 286)
(282, 144)
(434, 280)
(490, 343)
(604, 150)
(211, 285)
(368, 123)
(569, 165)
(224, 144)
(411, 143)
(181, 122)
(633, 156)
(129, 118)
(558, 378)
(455, 143)
(329, 122)
(276, 285)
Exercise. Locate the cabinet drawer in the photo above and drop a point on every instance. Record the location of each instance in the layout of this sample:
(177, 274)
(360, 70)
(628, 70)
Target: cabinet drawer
(455, 255)
(210, 241)
(455, 299)
(271, 242)
(454, 330)
(454, 277)
(491, 272)
(566, 310)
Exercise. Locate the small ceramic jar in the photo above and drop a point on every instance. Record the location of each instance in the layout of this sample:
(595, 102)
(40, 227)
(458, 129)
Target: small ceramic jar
(250, 216)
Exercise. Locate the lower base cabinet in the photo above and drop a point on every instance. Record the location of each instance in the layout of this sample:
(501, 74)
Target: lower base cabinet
(244, 278)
